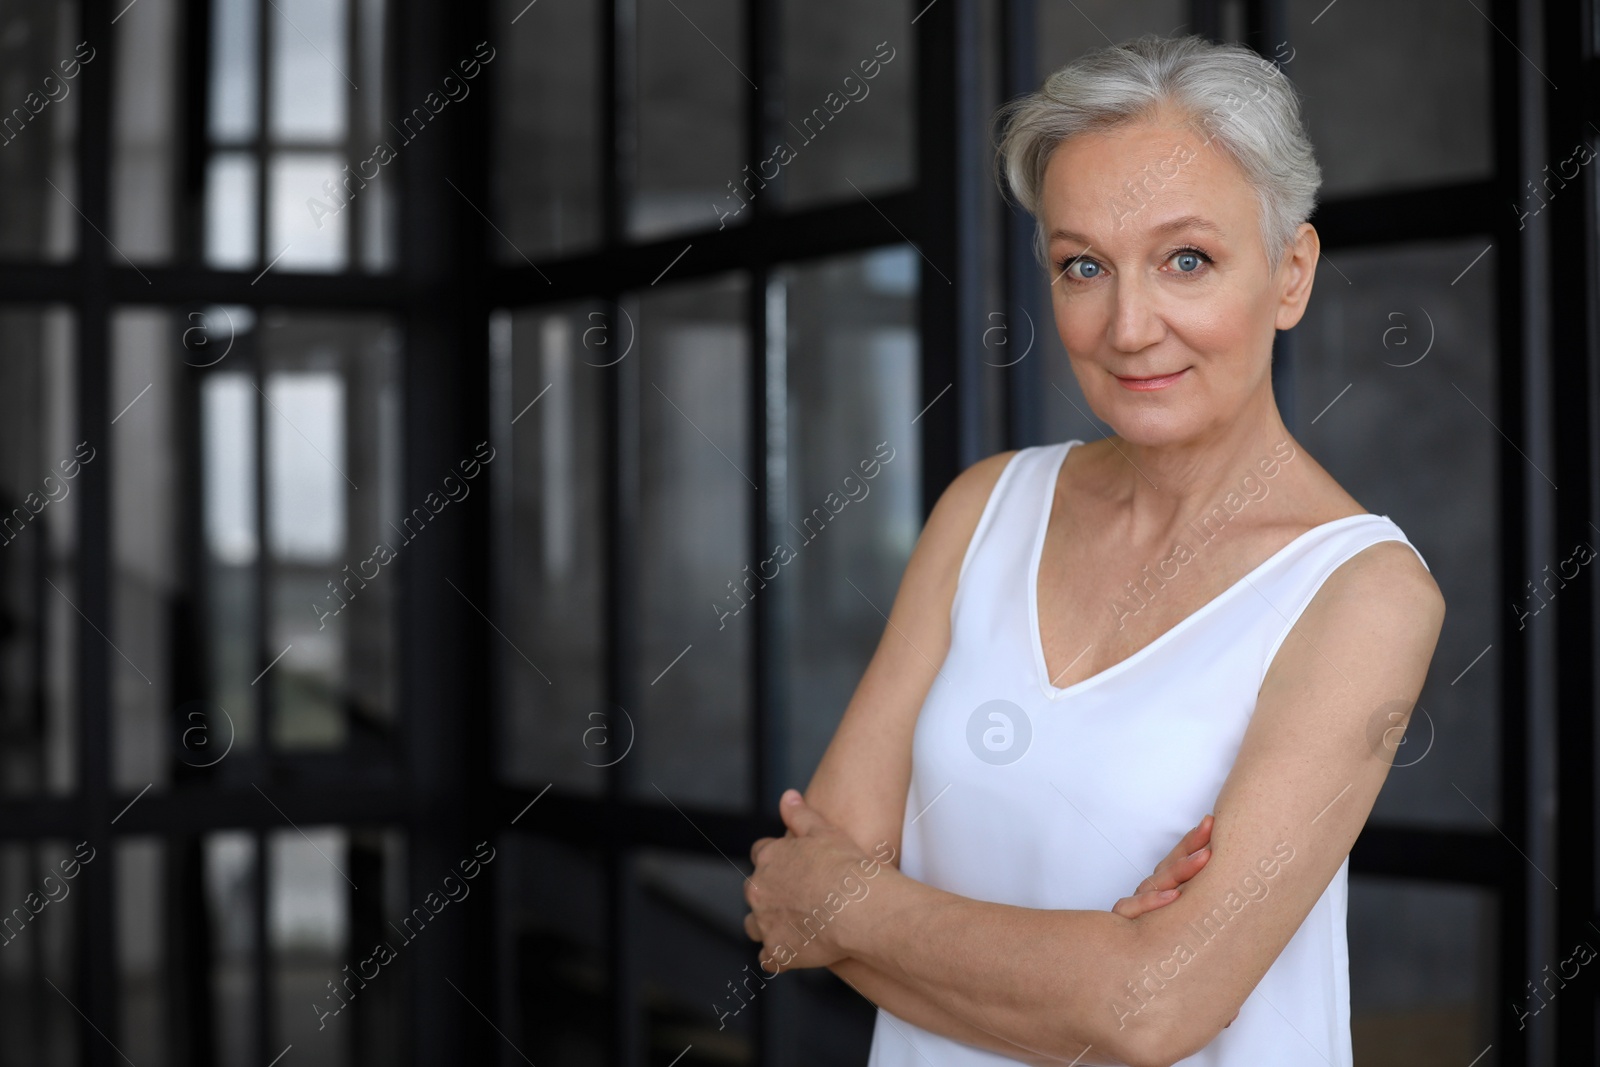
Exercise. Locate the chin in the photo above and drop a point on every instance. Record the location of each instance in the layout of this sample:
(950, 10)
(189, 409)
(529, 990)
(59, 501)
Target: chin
(1152, 427)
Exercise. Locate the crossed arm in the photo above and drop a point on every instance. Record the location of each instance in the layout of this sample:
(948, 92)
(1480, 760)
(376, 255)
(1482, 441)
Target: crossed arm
(1049, 986)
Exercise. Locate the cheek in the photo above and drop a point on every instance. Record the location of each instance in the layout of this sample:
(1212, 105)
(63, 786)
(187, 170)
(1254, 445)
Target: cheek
(1081, 318)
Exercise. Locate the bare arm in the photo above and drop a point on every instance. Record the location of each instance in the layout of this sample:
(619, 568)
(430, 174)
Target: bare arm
(1181, 864)
(861, 782)
(1297, 796)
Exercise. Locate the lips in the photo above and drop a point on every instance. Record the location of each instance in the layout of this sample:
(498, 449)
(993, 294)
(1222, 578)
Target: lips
(1155, 382)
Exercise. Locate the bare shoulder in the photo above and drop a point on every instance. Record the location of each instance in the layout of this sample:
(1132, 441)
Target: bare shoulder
(1385, 578)
(956, 514)
(969, 491)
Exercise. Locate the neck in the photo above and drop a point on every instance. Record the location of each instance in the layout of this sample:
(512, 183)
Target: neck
(1166, 485)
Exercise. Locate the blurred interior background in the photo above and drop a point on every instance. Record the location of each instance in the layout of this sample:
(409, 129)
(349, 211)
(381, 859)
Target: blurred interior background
(394, 394)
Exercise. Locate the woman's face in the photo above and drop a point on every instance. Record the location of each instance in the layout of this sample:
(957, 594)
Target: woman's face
(1159, 273)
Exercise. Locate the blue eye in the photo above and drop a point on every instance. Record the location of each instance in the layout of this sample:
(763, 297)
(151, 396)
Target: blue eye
(1090, 267)
(1189, 260)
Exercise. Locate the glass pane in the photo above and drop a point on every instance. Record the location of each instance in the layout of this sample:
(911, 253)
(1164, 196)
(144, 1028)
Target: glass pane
(308, 933)
(552, 904)
(698, 968)
(149, 584)
(310, 69)
(693, 75)
(330, 411)
(39, 128)
(307, 226)
(232, 905)
(385, 913)
(144, 125)
(41, 457)
(551, 373)
(234, 100)
(1422, 968)
(144, 980)
(319, 53)
(1066, 31)
(229, 638)
(852, 481)
(230, 241)
(41, 1023)
(696, 475)
(1419, 112)
(848, 86)
(547, 156)
(367, 171)
(1391, 333)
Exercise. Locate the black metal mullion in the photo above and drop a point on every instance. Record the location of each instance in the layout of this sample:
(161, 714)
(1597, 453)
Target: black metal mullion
(1205, 18)
(96, 993)
(193, 130)
(950, 293)
(1266, 28)
(260, 882)
(355, 231)
(1519, 927)
(764, 115)
(1021, 281)
(619, 100)
(1573, 284)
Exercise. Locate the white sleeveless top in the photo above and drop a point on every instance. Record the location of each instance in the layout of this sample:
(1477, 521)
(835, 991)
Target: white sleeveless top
(1068, 798)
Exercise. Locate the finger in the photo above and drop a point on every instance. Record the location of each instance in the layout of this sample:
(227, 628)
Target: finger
(752, 929)
(1175, 873)
(1142, 903)
(799, 816)
(760, 843)
(1198, 837)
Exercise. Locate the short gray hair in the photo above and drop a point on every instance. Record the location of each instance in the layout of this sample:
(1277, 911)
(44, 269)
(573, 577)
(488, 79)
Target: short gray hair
(1238, 100)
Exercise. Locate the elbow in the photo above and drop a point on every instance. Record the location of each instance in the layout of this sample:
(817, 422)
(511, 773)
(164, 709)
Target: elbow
(1144, 1050)
(1164, 1046)
(1152, 1041)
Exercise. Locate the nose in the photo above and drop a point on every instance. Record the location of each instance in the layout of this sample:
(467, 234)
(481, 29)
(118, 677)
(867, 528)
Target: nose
(1135, 323)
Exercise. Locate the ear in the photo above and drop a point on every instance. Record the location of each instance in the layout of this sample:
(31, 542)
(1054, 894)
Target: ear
(1298, 271)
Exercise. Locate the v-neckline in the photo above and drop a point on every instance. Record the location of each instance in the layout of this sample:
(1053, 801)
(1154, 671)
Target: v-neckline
(1041, 669)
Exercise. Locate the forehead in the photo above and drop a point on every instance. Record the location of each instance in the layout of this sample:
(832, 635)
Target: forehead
(1135, 183)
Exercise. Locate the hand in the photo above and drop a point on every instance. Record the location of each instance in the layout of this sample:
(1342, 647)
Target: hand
(800, 883)
(1162, 888)
(1181, 864)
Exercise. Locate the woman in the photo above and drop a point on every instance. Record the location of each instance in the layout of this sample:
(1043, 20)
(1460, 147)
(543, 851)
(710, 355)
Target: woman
(1097, 644)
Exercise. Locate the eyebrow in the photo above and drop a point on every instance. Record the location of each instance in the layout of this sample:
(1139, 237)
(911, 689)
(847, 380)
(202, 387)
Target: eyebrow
(1182, 222)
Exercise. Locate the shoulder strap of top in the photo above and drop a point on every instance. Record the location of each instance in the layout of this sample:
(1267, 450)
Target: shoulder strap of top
(1293, 586)
(1023, 489)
